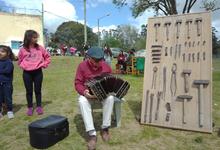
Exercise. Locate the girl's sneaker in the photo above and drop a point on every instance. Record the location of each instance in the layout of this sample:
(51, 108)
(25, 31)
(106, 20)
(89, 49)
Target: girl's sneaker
(30, 111)
(10, 114)
(39, 110)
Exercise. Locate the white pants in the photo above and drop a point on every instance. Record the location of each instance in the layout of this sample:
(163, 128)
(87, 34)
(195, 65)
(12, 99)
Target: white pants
(86, 112)
(108, 60)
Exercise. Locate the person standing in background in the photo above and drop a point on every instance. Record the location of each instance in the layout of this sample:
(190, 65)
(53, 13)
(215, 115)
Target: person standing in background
(107, 55)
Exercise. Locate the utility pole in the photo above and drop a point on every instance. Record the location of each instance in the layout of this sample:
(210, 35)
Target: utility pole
(98, 27)
(42, 17)
(85, 28)
(98, 35)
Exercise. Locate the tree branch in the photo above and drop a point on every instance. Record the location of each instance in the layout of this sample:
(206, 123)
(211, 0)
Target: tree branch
(173, 7)
(192, 2)
(185, 6)
(216, 9)
(165, 12)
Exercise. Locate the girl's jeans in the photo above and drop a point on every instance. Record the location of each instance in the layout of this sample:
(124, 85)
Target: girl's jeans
(6, 89)
(33, 80)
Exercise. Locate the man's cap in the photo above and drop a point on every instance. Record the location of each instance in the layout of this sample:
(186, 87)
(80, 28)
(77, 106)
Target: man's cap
(95, 52)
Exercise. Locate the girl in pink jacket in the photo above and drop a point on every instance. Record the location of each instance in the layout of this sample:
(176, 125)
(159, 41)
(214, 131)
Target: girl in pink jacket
(32, 57)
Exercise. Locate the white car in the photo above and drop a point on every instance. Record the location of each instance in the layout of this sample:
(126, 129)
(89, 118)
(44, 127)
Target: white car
(141, 53)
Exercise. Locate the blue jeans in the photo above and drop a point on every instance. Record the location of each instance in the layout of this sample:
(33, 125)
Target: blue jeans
(6, 94)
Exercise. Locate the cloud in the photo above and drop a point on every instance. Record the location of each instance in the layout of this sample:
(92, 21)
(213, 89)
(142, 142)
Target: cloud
(56, 11)
(58, 8)
(139, 21)
(104, 1)
(95, 3)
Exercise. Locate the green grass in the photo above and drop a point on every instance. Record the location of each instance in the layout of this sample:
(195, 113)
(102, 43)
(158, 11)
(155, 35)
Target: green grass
(59, 97)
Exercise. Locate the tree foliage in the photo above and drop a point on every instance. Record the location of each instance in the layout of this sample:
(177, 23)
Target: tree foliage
(140, 43)
(113, 42)
(166, 7)
(210, 5)
(124, 36)
(215, 42)
(72, 34)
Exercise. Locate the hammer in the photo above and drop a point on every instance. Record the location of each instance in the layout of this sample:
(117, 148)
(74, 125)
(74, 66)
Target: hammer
(186, 73)
(198, 25)
(184, 98)
(156, 25)
(167, 24)
(188, 23)
(178, 22)
(201, 84)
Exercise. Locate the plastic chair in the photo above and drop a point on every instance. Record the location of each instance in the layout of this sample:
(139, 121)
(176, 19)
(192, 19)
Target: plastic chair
(140, 61)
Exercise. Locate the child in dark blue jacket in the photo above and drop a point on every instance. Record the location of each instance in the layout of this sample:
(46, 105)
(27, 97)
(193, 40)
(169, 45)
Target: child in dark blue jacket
(6, 77)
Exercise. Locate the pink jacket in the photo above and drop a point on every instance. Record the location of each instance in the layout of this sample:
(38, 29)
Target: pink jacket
(33, 59)
(86, 72)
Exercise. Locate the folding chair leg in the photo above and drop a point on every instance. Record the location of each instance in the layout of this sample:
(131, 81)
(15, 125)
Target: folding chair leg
(117, 113)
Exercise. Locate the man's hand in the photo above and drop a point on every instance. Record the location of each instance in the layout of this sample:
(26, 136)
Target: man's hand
(88, 95)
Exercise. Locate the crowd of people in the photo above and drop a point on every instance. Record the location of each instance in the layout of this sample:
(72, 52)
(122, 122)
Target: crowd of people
(32, 58)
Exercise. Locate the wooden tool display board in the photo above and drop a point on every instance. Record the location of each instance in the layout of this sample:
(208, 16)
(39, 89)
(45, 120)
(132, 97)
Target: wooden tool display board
(177, 89)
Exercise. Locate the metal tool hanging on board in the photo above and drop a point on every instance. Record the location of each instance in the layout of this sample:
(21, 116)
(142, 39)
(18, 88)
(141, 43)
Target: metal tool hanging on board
(154, 79)
(184, 98)
(198, 22)
(201, 85)
(173, 82)
(146, 106)
(168, 114)
(179, 52)
(156, 26)
(164, 82)
(167, 25)
(188, 24)
(178, 23)
(159, 95)
(151, 107)
(186, 73)
(156, 53)
(175, 52)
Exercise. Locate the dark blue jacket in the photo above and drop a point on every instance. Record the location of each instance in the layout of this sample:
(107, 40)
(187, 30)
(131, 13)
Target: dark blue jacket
(6, 70)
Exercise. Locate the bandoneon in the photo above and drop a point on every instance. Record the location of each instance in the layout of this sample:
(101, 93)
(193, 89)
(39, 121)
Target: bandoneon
(105, 85)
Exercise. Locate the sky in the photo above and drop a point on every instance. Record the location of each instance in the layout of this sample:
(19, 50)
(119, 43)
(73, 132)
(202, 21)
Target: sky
(58, 11)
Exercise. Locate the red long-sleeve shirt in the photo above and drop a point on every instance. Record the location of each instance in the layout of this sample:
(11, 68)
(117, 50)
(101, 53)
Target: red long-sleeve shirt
(86, 72)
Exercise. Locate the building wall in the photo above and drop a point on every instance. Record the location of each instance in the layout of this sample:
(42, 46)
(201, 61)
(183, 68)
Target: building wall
(13, 27)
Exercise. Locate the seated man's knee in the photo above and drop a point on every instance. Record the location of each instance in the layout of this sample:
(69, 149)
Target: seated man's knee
(82, 100)
(110, 99)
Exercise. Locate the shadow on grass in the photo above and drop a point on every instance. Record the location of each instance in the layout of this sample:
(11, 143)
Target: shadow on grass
(136, 109)
(97, 117)
(17, 107)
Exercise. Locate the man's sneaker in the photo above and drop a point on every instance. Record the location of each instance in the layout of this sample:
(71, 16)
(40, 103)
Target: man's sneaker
(39, 110)
(30, 111)
(10, 115)
(92, 142)
(105, 135)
